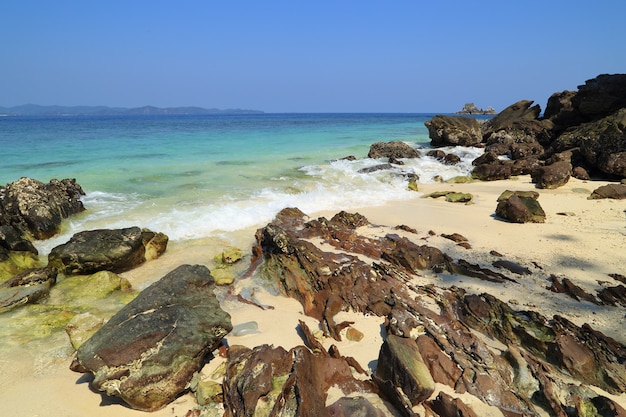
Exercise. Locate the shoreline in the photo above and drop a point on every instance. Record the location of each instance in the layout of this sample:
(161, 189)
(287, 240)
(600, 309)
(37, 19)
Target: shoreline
(586, 245)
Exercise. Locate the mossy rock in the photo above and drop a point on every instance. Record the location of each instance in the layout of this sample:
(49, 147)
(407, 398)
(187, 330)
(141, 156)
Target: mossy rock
(18, 262)
(82, 326)
(459, 198)
(413, 186)
(461, 179)
(209, 392)
(223, 276)
(229, 256)
(81, 289)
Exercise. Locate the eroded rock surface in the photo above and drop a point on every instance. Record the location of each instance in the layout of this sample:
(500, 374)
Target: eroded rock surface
(147, 353)
(529, 373)
(36, 208)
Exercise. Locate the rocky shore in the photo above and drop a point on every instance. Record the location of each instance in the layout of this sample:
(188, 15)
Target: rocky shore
(499, 294)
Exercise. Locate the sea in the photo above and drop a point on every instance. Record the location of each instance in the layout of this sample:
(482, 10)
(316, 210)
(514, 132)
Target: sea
(204, 176)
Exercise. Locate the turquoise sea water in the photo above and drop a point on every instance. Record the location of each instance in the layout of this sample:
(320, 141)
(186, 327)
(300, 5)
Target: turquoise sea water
(198, 176)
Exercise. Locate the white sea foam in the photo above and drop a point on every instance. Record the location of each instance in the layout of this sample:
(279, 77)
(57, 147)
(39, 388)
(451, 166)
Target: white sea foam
(337, 185)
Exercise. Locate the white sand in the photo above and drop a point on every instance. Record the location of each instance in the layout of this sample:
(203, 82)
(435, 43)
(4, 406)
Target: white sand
(585, 247)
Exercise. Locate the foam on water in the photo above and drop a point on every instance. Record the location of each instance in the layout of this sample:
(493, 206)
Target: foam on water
(337, 185)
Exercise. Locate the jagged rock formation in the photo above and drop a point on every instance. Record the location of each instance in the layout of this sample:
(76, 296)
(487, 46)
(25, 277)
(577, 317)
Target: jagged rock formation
(586, 129)
(540, 365)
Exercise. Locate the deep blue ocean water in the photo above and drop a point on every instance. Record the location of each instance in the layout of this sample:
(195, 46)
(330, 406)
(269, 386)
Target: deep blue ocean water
(194, 176)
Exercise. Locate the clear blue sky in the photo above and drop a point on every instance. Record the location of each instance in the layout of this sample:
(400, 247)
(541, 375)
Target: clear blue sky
(299, 56)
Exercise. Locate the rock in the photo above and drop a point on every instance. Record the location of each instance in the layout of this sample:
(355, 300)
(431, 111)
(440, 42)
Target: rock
(27, 288)
(602, 143)
(470, 108)
(209, 392)
(446, 406)
(231, 255)
(116, 250)
(81, 327)
(500, 170)
(12, 240)
(36, 208)
(613, 295)
(401, 363)
(453, 130)
(392, 150)
(272, 381)
(353, 407)
(452, 196)
(147, 353)
(85, 289)
(354, 335)
(411, 256)
(451, 159)
(441, 367)
(517, 112)
(613, 191)
(600, 96)
(511, 266)
(552, 176)
(520, 207)
(379, 167)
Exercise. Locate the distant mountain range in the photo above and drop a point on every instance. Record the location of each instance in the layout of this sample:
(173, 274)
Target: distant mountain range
(37, 110)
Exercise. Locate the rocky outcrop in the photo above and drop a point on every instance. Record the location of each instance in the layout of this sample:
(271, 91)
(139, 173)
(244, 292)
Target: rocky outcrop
(530, 372)
(602, 143)
(392, 150)
(453, 130)
(589, 124)
(115, 250)
(37, 209)
(147, 353)
(520, 207)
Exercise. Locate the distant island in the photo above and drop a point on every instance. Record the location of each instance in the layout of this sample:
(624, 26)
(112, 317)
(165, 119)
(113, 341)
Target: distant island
(37, 110)
(470, 108)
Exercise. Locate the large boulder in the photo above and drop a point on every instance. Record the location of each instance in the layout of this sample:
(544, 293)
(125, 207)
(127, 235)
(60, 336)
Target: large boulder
(116, 250)
(453, 130)
(37, 208)
(392, 150)
(147, 353)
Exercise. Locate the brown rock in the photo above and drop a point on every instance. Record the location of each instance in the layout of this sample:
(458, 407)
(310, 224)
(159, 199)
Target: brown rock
(552, 176)
(519, 207)
(400, 362)
(392, 150)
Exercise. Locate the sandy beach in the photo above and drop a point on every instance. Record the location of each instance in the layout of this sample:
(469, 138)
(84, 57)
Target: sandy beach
(583, 240)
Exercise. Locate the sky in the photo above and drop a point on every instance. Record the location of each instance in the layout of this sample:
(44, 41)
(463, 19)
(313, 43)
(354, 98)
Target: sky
(305, 56)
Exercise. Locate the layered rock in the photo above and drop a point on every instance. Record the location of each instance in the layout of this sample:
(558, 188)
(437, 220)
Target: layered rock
(115, 250)
(36, 208)
(147, 353)
(529, 374)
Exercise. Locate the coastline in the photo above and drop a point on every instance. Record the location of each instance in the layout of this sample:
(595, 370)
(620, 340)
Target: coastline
(584, 245)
